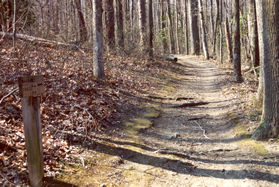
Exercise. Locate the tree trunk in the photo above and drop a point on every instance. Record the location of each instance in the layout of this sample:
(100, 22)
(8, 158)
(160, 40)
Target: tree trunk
(57, 18)
(159, 16)
(221, 33)
(14, 25)
(6, 15)
(175, 18)
(164, 28)
(150, 29)
(215, 29)
(171, 29)
(82, 27)
(269, 47)
(262, 56)
(194, 29)
(120, 27)
(212, 23)
(109, 20)
(179, 20)
(228, 40)
(253, 34)
(98, 61)
(186, 28)
(204, 42)
(236, 51)
(142, 23)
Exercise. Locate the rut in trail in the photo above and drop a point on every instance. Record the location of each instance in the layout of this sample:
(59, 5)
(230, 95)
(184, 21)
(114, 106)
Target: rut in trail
(186, 137)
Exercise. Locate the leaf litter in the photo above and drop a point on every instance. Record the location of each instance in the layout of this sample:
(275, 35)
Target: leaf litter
(74, 101)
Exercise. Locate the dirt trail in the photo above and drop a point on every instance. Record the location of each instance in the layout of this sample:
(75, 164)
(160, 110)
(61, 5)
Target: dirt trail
(192, 142)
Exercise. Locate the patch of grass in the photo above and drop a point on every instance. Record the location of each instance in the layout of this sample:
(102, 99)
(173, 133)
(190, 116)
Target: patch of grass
(151, 113)
(240, 130)
(136, 124)
(131, 175)
(254, 146)
(254, 116)
(93, 174)
(166, 90)
(143, 122)
(156, 106)
(231, 114)
(236, 120)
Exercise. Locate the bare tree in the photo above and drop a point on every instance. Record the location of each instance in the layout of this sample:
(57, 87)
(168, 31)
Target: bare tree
(142, 22)
(82, 26)
(98, 61)
(215, 29)
(236, 51)
(193, 24)
(253, 34)
(228, 37)
(109, 20)
(186, 27)
(269, 48)
(150, 29)
(171, 29)
(204, 42)
(120, 24)
(221, 32)
(14, 25)
(164, 27)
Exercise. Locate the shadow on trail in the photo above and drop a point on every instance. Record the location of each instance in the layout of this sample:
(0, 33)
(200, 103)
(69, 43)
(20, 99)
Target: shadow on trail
(181, 166)
(266, 163)
(52, 182)
(201, 140)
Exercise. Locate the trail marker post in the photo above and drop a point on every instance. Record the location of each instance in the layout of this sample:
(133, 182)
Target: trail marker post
(30, 90)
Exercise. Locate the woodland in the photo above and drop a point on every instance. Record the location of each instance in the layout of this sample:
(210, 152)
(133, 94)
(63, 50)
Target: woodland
(143, 92)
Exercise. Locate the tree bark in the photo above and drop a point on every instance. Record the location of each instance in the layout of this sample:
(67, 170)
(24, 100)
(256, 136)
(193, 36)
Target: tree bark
(109, 20)
(262, 57)
(120, 27)
(212, 22)
(269, 46)
(179, 20)
(142, 23)
(6, 10)
(98, 61)
(150, 29)
(175, 18)
(14, 25)
(82, 26)
(253, 34)
(236, 51)
(186, 28)
(215, 29)
(204, 42)
(171, 29)
(228, 40)
(194, 29)
(164, 28)
(221, 32)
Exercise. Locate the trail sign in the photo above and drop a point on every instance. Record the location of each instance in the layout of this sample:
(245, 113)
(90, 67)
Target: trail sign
(30, 89)
(31, 86)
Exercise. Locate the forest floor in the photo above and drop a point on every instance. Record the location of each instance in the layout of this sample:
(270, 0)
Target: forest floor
(193, 131)
(152, 123)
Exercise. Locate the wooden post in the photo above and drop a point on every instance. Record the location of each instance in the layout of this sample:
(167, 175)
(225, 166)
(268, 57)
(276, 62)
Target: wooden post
(30, 89)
